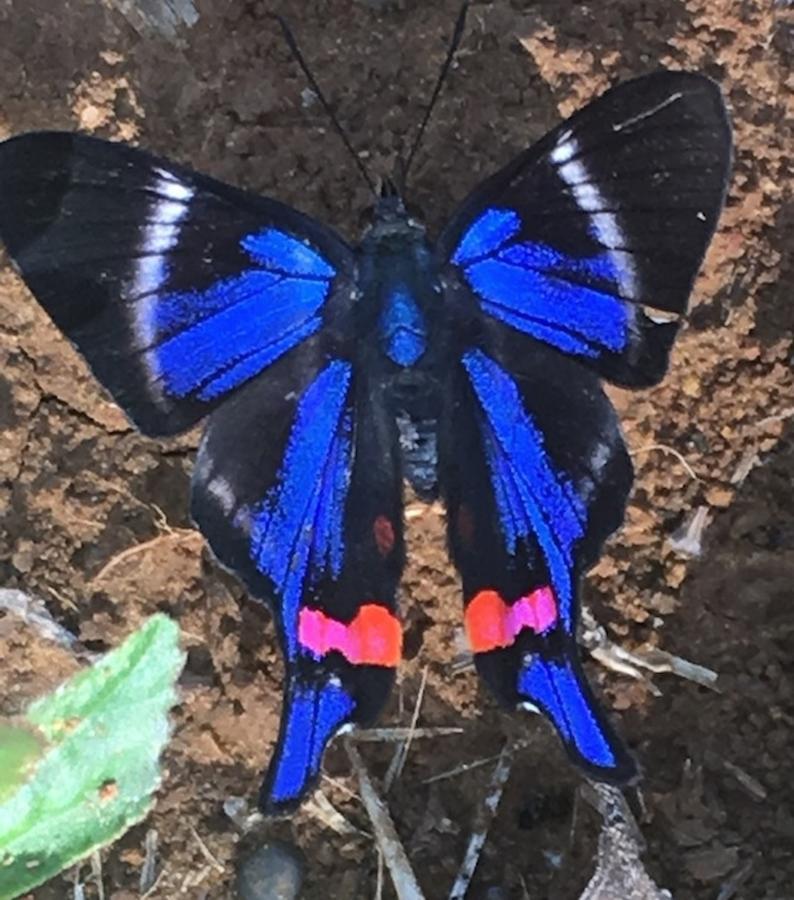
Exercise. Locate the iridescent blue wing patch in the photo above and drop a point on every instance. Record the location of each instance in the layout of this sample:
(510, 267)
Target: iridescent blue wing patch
(176, 288)
(590, 241)
(531, 495)
(297, 490)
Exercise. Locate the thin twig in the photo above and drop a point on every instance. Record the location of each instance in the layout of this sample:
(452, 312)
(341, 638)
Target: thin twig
(665, 448)
(219, 868)
(468, 767)
(390, 735)
(401, 752)
(482, 822)
(379, 878)
(149, 867)
(96, 873)
(405, 884)
(156, 883)
(180, 534)
(752, 785)
(629, 662)
(321, 808)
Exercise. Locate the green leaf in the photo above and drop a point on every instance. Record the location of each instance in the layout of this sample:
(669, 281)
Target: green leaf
(104, 731)
(20, 747)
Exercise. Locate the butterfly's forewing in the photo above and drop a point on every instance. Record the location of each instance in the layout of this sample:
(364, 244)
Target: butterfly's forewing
(590, 240)
(297, 489)
(182, 292)
(535, 476)
(176, 288)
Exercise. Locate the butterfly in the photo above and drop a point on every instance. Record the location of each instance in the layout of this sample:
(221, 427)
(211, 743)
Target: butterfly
(472, 366)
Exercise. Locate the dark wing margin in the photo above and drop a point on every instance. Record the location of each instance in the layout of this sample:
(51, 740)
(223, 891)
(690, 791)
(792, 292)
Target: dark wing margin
(590, 241)
(175, 287)
(297, 488)
(531, 496)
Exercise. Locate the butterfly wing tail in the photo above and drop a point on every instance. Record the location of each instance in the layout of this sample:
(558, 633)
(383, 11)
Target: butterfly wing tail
(317, 707)
(558, 687)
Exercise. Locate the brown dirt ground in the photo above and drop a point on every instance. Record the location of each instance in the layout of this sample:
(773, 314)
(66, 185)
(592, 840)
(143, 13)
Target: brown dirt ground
(78, 487)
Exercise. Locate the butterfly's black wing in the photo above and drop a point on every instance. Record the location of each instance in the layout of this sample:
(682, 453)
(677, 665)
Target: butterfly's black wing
(180, 292)
(535, 475)
(572, 263)
(591, 239)
(297, 488)
(176, 288)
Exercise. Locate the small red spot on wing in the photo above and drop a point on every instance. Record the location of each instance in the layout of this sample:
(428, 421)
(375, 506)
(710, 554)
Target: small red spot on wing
(383, 531)
(464, 522)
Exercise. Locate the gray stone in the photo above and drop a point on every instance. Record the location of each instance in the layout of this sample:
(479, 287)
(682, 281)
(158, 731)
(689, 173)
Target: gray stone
(273, 872)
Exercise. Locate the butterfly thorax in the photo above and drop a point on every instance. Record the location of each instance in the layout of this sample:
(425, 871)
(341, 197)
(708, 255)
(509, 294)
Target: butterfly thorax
(399, 311)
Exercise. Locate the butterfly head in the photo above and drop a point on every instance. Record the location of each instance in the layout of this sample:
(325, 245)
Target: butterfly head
(390, 215)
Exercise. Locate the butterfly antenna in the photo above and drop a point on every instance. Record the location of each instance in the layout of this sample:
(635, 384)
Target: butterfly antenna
(457, 34)
(295, 50)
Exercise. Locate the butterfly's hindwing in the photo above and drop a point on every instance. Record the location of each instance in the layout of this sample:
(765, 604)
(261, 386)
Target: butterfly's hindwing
(299, 493)
(531, 496)
(590, 241)
(176, 288)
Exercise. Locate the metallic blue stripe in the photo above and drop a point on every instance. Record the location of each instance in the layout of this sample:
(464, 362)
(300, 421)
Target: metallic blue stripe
(538, 290)
(314, 714)
(553, 302)
(297, 532)
(208, 342)
(277, 250)
(543, 257)
(267, 323)
(256, 362)
(556, 690)
(487, 234)
(533, 497)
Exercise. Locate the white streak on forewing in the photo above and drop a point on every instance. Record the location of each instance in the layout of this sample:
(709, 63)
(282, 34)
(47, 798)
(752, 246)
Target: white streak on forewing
(166, 213)
(589, 199)
(647, 113)
(176, 190)
(564, 149)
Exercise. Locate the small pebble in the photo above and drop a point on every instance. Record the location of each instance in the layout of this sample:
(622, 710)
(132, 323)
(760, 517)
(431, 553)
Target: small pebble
(273, 872)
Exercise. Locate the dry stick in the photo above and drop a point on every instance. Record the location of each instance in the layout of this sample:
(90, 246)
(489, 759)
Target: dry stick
(320, 807)
(665, 448)
(148, 875)
(629, 662)
(401, 752)
(468, 767)
(379, 878)
(180, 535)
(205, 851)
(402, 876)
(485, 815)
(390, 735)
(96, 873)
(156, 885)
